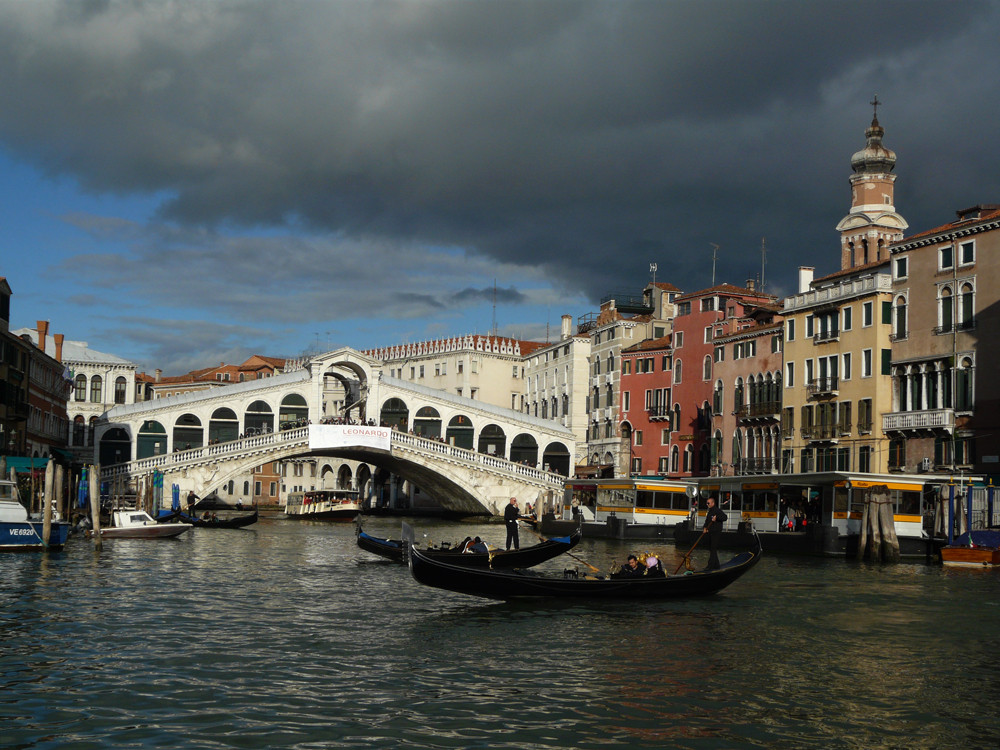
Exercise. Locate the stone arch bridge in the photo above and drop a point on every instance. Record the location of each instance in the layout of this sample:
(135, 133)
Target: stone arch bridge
(470, 455)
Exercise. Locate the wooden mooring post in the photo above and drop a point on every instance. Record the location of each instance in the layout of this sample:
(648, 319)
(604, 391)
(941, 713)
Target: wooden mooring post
(878, 540)
(50, 478)
(95, 504)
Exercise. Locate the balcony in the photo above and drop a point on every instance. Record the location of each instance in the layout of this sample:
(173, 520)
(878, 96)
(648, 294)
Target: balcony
(657, 412)
(823, 337)
(760, 411)
(826, 432)
(759, 465)
(933, 419)
(828, 386)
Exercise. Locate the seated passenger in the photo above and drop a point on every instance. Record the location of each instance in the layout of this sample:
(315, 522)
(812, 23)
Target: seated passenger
(630, 569)
(465, 544)
(654, 567)
(478, 545)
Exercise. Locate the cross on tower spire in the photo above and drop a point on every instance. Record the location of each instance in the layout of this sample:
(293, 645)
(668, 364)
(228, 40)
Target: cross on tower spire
(875, 102)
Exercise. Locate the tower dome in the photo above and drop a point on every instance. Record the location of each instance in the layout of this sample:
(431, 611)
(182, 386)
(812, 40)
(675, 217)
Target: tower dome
(874, 158)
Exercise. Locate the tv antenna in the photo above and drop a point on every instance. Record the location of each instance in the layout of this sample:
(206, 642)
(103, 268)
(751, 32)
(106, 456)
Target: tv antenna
(715, 252)
(652, 270)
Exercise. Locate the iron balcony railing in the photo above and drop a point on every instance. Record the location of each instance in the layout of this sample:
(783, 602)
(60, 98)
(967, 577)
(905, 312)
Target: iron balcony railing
(823, 386)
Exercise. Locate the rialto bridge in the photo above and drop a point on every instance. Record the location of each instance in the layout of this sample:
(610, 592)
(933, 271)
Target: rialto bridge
(467, 454)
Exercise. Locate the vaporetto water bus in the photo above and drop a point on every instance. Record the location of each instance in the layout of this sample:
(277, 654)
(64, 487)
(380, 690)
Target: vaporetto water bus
(816, 513)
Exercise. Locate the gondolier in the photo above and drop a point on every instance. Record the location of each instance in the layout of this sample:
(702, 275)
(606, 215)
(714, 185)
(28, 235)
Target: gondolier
(713, 527)
(510, 516)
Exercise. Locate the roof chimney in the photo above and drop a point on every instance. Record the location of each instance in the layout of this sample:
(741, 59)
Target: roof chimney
(43, 332)
(159, 373)
(59, 343)
(805, 278)
(750, 285)
(567, 326)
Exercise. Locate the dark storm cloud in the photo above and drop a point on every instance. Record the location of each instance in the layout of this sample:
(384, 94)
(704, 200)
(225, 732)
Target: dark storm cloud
(489, 294)
(583, 138)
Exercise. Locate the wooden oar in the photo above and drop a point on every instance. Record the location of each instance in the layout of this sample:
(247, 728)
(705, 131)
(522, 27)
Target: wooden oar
(567, 552)
(685, 558)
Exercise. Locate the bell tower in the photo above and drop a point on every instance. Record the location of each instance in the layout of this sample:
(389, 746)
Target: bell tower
(872, 223)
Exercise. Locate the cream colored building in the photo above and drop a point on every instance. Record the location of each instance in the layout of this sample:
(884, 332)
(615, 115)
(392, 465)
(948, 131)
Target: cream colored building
(556, 379)
(836, 372)
(486, 368)
(838, 333)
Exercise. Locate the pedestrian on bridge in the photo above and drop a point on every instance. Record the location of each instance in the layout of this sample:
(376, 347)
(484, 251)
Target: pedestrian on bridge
(510, 516)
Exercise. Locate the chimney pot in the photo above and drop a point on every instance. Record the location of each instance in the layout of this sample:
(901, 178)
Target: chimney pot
(805, 278)
(43, 332)
(59, 338)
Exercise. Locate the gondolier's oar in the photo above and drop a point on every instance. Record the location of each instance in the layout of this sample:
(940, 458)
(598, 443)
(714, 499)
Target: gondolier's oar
(596, 570)
(688, 555)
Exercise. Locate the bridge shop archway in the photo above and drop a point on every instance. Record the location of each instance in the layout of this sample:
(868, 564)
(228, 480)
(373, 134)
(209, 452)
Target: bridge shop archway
(151, 440)
(223, 426)
(116, 447)
(556, 458)
(395, 414)
(493, 441)
(460, 432)
(293, 412)
(259, 418)
(427, 423)
(188, 433)
(524, 450)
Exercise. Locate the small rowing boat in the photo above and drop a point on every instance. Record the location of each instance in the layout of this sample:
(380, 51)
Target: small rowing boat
(394, 549)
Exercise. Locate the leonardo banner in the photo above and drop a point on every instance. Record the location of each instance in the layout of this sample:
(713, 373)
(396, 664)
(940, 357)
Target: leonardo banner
(349, 436)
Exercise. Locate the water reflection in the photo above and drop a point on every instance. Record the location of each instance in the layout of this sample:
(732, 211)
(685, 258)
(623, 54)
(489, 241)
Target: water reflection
(287, 635)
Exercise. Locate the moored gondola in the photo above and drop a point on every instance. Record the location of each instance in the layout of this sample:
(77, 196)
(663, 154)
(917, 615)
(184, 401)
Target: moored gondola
(394, 549)
(230, 522)
(520, 584)
(233, 522)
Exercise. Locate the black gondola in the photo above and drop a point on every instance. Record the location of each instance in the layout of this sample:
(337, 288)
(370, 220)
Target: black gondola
(232, 522)
(519, 584)
(393, 549)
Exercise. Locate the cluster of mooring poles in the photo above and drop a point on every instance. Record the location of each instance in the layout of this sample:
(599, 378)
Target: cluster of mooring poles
(878, 540)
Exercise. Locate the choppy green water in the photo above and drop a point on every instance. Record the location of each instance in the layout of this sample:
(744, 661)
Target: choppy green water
(286, 635)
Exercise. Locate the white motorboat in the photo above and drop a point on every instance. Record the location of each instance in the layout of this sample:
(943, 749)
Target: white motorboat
(138, 524)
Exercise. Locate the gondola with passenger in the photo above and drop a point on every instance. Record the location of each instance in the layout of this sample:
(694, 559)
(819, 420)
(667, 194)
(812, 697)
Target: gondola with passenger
(522, 584)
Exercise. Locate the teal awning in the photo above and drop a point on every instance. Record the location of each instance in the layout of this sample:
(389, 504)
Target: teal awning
(24, 465)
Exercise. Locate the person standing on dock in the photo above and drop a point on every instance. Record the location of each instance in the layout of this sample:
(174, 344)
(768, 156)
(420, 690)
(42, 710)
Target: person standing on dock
(510, 516)
(713, 527)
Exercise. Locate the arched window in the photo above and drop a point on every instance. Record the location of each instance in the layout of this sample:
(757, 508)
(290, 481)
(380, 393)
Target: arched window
(900, 328)
(121, 386)
(80, 384)
(963, 385)
(946, 307)
(706, 365)
(95, 389)
(677, 372)
(967, 314)
(674, 459)
(738, 395)
(717, 398)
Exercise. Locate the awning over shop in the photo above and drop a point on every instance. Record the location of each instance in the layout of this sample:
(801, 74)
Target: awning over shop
(24, 465)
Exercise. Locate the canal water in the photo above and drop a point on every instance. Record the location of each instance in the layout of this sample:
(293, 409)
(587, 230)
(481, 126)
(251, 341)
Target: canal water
(285, 635)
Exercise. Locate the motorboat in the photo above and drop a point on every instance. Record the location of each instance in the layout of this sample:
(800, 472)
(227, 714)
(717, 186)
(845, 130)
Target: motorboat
(19, 532)
(138, 524)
